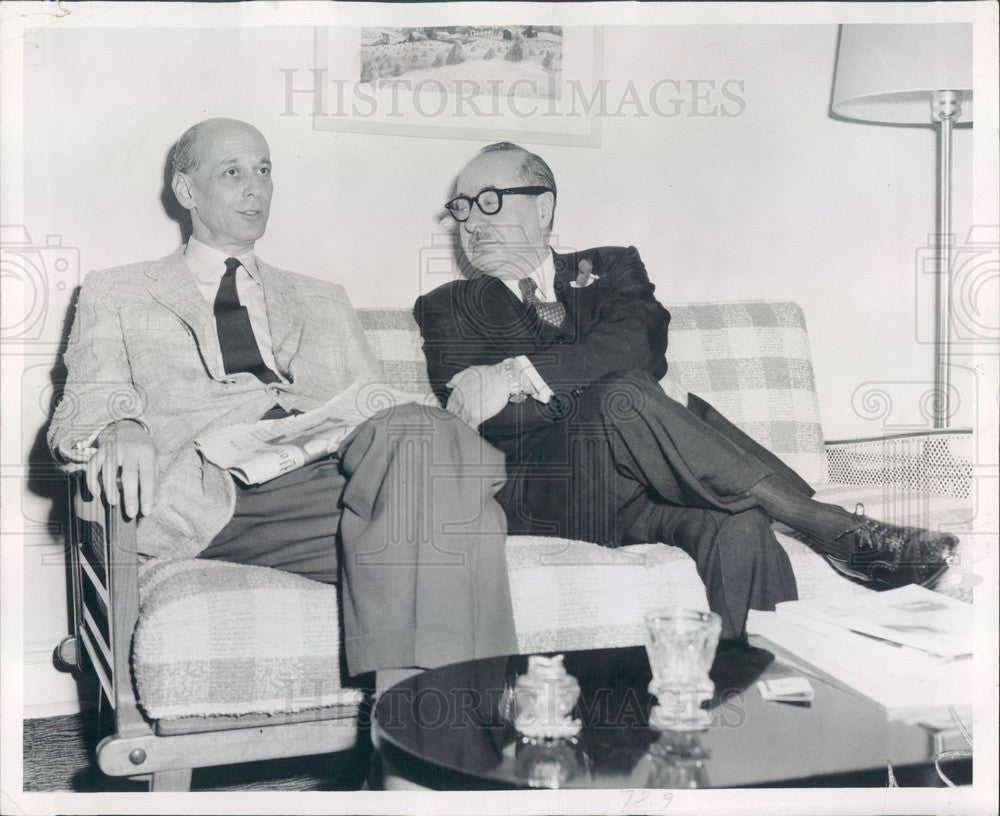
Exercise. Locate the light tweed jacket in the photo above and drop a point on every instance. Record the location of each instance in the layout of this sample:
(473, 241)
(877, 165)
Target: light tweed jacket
(144, 346)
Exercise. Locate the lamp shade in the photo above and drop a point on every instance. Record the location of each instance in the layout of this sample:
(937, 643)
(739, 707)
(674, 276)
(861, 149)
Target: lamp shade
(887, 73)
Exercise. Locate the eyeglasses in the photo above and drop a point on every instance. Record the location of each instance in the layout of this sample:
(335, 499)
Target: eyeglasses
(489, 201)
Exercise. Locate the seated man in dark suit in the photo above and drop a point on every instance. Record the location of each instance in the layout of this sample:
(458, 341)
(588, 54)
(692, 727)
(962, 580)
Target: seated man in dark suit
(556, 359)
(210, 337)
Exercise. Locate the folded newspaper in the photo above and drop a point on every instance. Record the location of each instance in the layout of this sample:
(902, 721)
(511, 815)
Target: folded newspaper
(256, 452)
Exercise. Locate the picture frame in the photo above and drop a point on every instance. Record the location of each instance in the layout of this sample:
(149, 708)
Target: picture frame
(399, 81)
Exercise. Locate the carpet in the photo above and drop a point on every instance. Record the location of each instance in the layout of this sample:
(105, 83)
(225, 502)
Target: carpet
(59, 756)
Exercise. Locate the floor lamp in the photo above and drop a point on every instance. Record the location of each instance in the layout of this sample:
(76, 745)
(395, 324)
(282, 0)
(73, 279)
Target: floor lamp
(914, 75)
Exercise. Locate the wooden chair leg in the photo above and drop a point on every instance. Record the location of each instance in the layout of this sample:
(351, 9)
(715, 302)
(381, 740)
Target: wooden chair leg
(179, 780)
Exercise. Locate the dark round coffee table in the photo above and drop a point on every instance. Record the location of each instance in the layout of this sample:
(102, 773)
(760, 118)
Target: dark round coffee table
(445, 729)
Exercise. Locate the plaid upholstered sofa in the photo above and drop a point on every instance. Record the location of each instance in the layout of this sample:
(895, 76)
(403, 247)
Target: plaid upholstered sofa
(219, 649)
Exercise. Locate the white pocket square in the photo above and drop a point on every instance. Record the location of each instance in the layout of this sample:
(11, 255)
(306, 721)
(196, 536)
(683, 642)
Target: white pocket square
(584, 276)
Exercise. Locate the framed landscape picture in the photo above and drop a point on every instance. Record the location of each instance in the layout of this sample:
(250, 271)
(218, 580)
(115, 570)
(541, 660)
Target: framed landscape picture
(527, 83)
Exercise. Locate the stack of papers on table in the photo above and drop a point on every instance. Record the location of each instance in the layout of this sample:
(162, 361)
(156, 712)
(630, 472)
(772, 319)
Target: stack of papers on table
(907, 648)
(908, 616)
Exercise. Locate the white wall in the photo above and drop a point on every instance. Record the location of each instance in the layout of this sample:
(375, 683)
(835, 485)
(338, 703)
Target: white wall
(779, 202)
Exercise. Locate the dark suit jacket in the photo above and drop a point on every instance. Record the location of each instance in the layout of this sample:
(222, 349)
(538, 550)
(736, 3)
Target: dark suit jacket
(614, 324)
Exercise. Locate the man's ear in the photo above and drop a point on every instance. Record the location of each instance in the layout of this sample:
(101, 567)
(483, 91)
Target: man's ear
(181, 185)
(545, 205)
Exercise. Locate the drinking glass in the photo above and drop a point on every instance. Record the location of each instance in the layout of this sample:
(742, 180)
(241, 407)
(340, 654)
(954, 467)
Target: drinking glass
(681, 644)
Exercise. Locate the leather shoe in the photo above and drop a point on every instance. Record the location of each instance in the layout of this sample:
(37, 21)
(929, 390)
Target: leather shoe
(890, 555)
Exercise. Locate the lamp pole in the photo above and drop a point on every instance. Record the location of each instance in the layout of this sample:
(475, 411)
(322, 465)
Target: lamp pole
(945, 109)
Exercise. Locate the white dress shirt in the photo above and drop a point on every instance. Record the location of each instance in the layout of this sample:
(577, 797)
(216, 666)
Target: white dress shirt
(544, 276)
(545, 282)
(208, 265)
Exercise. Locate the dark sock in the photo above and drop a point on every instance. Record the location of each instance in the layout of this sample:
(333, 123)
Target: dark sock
(824, 523)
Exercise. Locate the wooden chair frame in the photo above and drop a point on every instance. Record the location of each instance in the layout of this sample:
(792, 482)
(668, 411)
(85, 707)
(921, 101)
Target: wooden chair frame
(105, 586)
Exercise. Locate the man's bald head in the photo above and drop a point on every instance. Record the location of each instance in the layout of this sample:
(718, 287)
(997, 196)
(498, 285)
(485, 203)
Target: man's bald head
(222, 176)
(184, 157)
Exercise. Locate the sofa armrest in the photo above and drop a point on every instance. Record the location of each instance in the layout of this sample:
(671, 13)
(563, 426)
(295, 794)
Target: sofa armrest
(935, 462)
(106, 567)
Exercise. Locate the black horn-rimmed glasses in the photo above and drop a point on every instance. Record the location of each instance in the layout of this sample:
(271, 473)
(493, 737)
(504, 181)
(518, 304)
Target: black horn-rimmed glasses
(489, 201)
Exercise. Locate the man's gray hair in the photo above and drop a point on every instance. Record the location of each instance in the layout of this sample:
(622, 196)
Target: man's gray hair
(184, 153)
(534, 169)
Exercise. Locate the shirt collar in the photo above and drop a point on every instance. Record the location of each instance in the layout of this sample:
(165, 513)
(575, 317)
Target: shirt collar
(208, 264)
(544, 275)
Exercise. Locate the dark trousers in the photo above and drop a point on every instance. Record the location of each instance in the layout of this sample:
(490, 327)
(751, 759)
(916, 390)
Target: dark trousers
(421, 556)
(621, 463)
(289, 523)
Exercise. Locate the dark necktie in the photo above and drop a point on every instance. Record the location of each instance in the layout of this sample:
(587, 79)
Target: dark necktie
(239, 346)
(552, 313)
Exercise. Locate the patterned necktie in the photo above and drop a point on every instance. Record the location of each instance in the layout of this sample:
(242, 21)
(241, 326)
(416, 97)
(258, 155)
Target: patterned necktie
(552, 313)
(239, 346)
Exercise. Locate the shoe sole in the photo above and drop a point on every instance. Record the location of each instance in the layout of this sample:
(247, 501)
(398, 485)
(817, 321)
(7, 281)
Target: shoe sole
(843, 569)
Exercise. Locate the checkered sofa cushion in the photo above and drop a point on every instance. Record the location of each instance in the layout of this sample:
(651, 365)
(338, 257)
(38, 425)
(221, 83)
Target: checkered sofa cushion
(750, 359)
(218, 638)
(394, 338)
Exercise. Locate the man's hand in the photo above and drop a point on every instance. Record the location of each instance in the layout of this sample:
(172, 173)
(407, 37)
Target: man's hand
(478, 393)
(127, 446)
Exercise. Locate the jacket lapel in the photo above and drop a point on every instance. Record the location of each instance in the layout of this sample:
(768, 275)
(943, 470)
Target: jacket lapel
(497, 315)
(174, 287)
(569, 296)
(284, 315)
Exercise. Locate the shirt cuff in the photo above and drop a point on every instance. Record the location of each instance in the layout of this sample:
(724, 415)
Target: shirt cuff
(531, 381)
(76, 452)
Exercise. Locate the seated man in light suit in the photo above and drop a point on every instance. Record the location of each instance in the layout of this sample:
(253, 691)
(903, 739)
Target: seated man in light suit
(557, 360)
(210, 336)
